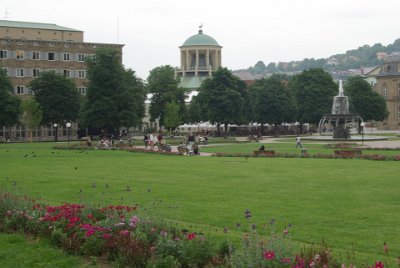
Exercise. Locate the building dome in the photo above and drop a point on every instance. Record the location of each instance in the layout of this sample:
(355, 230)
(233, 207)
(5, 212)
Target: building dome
(200, 39)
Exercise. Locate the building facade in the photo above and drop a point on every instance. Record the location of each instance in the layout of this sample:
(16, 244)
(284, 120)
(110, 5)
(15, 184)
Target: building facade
(27, 49)
(388, 85)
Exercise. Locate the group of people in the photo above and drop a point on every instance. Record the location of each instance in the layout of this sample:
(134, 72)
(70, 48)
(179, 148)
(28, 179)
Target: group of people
(152, 139)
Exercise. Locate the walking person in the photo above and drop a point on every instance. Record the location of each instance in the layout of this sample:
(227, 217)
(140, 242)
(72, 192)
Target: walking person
(298, 142)
(145, 140)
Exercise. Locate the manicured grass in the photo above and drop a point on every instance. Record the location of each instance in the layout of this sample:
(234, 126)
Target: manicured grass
(345, 202)
(16, 251)
(289, 147)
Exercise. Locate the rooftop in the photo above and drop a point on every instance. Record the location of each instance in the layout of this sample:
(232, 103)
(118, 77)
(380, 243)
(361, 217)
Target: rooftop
(200, 39)
(35, 25)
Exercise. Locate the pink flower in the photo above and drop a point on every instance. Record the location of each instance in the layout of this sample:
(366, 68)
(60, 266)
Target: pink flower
(124, 232)
(89, 232)
(286, 232)
(106, 236)
(191, 236)
(269, 255)
(133, 221)
(312, 264)
(379, 264)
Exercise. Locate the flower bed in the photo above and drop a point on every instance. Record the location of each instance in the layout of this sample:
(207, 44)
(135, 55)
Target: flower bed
(348, 153)
(119, 235)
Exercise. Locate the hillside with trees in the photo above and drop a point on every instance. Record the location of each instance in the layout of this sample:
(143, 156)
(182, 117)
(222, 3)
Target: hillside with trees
(364, 56)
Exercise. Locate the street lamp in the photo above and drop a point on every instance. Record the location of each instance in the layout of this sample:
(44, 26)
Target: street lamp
(56, 134)
(362, 132)
(68, 125)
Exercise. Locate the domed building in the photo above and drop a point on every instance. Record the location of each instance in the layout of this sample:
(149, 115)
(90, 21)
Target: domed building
(200, 56)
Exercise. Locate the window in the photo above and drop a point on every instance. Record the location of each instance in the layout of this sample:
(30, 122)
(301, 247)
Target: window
(398, 112)
(35, 55)
(66, 73)
(19, 54)
(20, 72)
(81, 74)
(5, 71)
(398, 90)
(81, 57)
(3, 54)
(384, 91)
(66, 56)
(82, 90)
(20, 90)
(35, 72)
(51, 56)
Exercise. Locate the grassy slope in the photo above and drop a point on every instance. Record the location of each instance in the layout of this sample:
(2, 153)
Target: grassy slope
(343, 201)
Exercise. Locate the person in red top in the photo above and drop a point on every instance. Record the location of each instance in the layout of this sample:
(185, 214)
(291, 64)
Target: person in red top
(160, 138)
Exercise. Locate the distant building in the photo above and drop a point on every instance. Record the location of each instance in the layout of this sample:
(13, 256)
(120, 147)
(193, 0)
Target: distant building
(388, 85)
(29, 48)
(200, 55)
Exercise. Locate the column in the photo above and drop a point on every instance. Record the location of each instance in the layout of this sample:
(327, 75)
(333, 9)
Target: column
(216, 59)
(208, 58)
(187, 66)
(196, 72)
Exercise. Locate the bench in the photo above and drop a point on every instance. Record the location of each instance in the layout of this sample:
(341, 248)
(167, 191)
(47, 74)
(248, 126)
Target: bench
(348, 153)
(182, 149)
(264, 153)
(86, 141)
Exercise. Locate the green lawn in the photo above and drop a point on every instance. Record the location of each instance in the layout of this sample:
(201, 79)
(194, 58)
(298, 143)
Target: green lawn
(18, 252)
(289, 147)
(345, 202)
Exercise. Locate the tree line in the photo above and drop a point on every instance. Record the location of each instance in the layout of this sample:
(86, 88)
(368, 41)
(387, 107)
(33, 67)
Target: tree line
(116, 97)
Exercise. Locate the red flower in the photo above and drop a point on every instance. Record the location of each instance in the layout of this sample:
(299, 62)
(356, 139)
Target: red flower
(269, 255)
(191, 236)
(379, 264)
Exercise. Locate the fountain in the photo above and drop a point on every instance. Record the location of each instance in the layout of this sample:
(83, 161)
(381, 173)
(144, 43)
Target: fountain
(341, 122)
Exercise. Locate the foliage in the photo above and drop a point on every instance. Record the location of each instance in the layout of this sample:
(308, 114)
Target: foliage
(115, 96)
(272, 101)
(172, 116)
(9, 103)
(164, 87)
(57, 96)
(314, 90)
(364, 101)
(31, 114)
(223, 99)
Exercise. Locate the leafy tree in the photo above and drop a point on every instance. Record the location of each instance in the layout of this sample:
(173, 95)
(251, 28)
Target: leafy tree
(364, 101)
(115, 96)
(195, 112)
(57, 96)
(9, 103)
(259, 68)
(223, 99)
(164, 87)
(272, 101)
(32, 114)
(314, 90)
(172, 116)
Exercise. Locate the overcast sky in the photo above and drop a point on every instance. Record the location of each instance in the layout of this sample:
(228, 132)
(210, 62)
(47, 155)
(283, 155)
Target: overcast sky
(248, 30)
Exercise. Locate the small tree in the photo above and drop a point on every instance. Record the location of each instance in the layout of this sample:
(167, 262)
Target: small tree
(314, 90)
(172, 116)
(164, 87)
(272, 101)
(364, 101)
(9, 103)
(58, 98)
(223, 99)
(32, 115)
